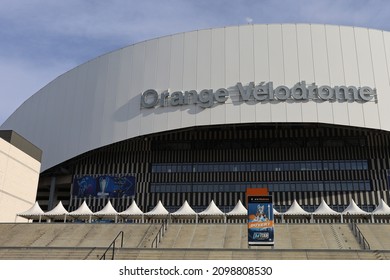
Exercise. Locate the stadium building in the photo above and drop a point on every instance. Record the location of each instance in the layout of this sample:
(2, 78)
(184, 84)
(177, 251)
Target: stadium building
(297, 108)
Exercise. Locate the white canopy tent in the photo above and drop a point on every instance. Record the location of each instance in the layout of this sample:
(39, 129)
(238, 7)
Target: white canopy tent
(324, 210)
(185, 211)
(238, 211)
(212, 212)
(295, 212)
(108, 212)
(353, 212)
(34, 213)
(381, 209)
(158, 211)
(276, 213)
(132, 212)
(83, 213)
(353, 209)
(58, 212)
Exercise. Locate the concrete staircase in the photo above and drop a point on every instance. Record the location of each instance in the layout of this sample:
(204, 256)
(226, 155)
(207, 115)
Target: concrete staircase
(70, 235)
(377, 235)
(189, 241)
(234, 236)
(149, 235)
(245, 254)
(47, 253)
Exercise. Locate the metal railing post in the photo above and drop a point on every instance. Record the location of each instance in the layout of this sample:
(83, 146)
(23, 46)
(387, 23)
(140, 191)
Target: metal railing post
(360, 237)
(160, 234)
(103, 257)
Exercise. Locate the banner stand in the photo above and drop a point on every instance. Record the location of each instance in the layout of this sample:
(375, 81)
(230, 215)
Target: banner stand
(260, 218)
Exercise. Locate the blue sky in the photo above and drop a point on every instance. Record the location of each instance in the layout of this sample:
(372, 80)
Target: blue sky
(41, 39)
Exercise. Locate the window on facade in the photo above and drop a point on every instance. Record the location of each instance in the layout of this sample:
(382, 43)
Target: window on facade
(273, 187)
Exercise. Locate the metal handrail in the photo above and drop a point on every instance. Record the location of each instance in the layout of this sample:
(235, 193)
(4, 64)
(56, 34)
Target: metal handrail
(103, 257)
(160, 234)
(361, 239)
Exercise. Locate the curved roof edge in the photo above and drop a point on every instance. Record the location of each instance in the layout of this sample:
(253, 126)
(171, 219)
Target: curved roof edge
(183, 32)
(40, 133)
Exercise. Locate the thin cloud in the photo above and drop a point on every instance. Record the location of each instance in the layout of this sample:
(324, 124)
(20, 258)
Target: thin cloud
(41, 39)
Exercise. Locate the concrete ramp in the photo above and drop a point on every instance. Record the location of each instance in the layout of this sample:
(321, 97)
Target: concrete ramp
(190, 241)
(314, 236)
(235, 236)
(377, 235)
(69, 235)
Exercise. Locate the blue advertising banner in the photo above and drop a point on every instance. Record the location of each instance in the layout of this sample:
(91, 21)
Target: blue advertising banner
(260, 220)
(84, 186)
(116, 186)
(104, 186)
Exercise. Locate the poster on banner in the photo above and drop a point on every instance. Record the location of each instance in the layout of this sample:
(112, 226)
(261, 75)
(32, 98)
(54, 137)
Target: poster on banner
(260, 220)
(104, 186)
(84, 186)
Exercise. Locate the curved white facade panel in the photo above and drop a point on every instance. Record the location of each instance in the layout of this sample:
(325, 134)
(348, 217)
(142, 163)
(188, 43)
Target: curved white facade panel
(99, 102)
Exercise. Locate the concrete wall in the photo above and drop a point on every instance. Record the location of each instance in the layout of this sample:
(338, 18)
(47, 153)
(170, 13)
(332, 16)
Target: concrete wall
(19, 174)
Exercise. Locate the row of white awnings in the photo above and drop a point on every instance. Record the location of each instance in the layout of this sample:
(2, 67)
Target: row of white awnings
(185, 211)
(133, 212)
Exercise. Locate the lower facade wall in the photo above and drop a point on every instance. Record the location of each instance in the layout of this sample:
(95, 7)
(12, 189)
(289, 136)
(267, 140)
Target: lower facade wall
(19, 175)
(237, 144)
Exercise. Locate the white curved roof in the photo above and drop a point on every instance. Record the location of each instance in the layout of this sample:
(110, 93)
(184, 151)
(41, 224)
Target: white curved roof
(324, 209)
(158, 210)
(82, 211)
(353, 209)
(59, 210)
(35, 212)
(131, 211)
(296, 209)
(107, 211)
(382, 209)
(184, 210)
(238, 210)
(112, 84)
(212, 210)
